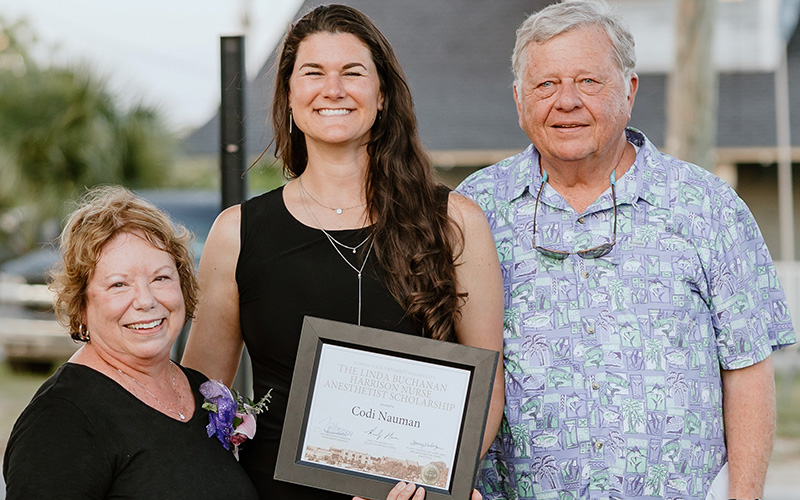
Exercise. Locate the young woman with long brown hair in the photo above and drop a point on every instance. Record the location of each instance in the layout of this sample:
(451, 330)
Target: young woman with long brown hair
(361, 233)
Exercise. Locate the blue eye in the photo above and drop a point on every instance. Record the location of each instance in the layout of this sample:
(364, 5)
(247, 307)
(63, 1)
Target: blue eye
(545, 89)
(590, 86)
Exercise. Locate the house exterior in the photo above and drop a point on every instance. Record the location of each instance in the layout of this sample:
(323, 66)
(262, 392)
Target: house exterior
(456, 55)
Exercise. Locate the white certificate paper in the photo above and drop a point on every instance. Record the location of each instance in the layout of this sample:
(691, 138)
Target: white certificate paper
(386, 416)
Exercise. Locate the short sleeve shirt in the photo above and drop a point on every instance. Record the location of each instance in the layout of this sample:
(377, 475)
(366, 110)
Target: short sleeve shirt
(613, 385)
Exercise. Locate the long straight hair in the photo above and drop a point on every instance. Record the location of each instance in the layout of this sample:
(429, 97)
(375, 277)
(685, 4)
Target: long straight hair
(416, 242)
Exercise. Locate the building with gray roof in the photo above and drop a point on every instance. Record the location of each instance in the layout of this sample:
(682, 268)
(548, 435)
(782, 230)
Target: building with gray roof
(456, 55)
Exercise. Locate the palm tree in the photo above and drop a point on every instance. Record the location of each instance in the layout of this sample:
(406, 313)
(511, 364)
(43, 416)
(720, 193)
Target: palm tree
(520, 434)
(511, 318)
(656, 475)
(534, 344)
(653, 352)
(617, 290)
(633, 412)
(678, 388)
(646, 232)
(61, 130)
(545, 467)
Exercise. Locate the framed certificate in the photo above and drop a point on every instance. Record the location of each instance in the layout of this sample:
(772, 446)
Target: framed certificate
(369, 407)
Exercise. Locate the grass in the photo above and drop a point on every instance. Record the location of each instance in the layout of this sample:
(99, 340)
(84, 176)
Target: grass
(202, 172)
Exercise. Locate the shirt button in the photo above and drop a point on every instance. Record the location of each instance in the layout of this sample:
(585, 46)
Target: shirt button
(595, 386)
(590, 329)
(581, 220)
(598, 445)
(584, 274)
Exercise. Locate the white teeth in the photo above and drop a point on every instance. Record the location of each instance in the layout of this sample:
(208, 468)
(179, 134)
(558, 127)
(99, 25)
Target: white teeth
(145, 326)
(333, 112)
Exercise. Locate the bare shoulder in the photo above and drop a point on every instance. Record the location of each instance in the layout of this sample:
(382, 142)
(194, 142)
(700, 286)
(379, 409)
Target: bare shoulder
(464, 211)
(231, 217)
(226, 228)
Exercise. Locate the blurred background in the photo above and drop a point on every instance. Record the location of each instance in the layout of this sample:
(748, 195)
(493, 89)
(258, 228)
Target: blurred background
(95, 92)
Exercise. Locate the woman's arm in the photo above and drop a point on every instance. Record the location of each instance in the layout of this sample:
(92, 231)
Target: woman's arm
(478, 274)
(215, 339)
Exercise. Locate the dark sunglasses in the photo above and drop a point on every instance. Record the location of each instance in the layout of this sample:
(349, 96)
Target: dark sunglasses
(589, 253)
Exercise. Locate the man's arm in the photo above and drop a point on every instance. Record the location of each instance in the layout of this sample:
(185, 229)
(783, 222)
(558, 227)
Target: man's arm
(748, 410)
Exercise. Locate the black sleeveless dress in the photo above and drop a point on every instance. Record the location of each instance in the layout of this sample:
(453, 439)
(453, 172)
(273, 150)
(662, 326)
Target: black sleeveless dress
(287, 270)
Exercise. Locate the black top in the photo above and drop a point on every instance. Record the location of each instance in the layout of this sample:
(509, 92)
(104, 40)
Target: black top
(83, 436)
(287, 270)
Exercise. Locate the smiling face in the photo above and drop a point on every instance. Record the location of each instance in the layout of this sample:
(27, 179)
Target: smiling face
(134, 307)
(574, 102)
(334, 90)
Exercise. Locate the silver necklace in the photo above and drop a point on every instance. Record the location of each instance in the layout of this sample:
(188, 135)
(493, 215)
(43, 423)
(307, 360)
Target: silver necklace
(334, 242)
(338, 211)
(174, 388)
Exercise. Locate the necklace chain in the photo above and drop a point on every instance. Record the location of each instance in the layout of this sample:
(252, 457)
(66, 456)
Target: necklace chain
(338, 211)
(334, 242)
(328, 235)
(174, 388)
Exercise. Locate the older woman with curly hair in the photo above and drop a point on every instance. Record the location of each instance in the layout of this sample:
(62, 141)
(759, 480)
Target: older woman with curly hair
(119, 419)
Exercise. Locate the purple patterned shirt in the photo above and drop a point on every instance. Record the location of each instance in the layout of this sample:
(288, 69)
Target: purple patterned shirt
(612, 365)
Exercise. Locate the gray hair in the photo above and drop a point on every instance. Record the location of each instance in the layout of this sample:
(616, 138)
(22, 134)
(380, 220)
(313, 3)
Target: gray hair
(568, 15)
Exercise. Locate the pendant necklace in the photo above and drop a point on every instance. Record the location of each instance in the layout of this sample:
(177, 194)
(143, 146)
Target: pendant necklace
(174, 388)
(337, 211)
(334, 242)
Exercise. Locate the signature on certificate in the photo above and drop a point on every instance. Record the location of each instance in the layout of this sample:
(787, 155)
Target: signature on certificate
(331, 428)
(425, 445)
(379, 434)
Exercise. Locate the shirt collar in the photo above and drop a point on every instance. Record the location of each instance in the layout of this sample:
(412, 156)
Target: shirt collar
(646, 179)
(525, 173)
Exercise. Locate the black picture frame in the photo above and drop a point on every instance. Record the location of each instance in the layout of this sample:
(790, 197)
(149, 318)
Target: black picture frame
(316, 333)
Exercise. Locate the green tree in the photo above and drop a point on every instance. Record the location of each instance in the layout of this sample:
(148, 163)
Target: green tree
(61, 130)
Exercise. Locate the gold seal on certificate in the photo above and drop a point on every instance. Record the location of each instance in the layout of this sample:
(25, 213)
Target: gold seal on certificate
(431, 474)
(378, 407)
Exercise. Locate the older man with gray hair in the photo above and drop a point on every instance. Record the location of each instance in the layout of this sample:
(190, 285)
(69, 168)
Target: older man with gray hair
(642, 305)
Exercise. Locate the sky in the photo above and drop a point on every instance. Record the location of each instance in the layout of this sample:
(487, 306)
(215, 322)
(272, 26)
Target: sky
(162, 52)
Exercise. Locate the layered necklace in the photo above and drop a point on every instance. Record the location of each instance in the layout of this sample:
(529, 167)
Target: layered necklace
(336, 244)
(177, 412)
(337, 211)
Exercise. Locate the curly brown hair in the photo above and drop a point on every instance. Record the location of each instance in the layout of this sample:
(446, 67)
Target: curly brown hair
(416, 242)
(102, 213)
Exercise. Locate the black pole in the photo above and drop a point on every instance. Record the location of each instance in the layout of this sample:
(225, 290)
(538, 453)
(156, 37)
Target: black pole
(231, 121)
(232, 152)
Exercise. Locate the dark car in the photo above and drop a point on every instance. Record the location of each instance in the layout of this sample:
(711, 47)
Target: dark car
(30, 336)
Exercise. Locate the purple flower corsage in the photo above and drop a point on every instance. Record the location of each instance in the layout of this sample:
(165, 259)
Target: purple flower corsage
(231, 417)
